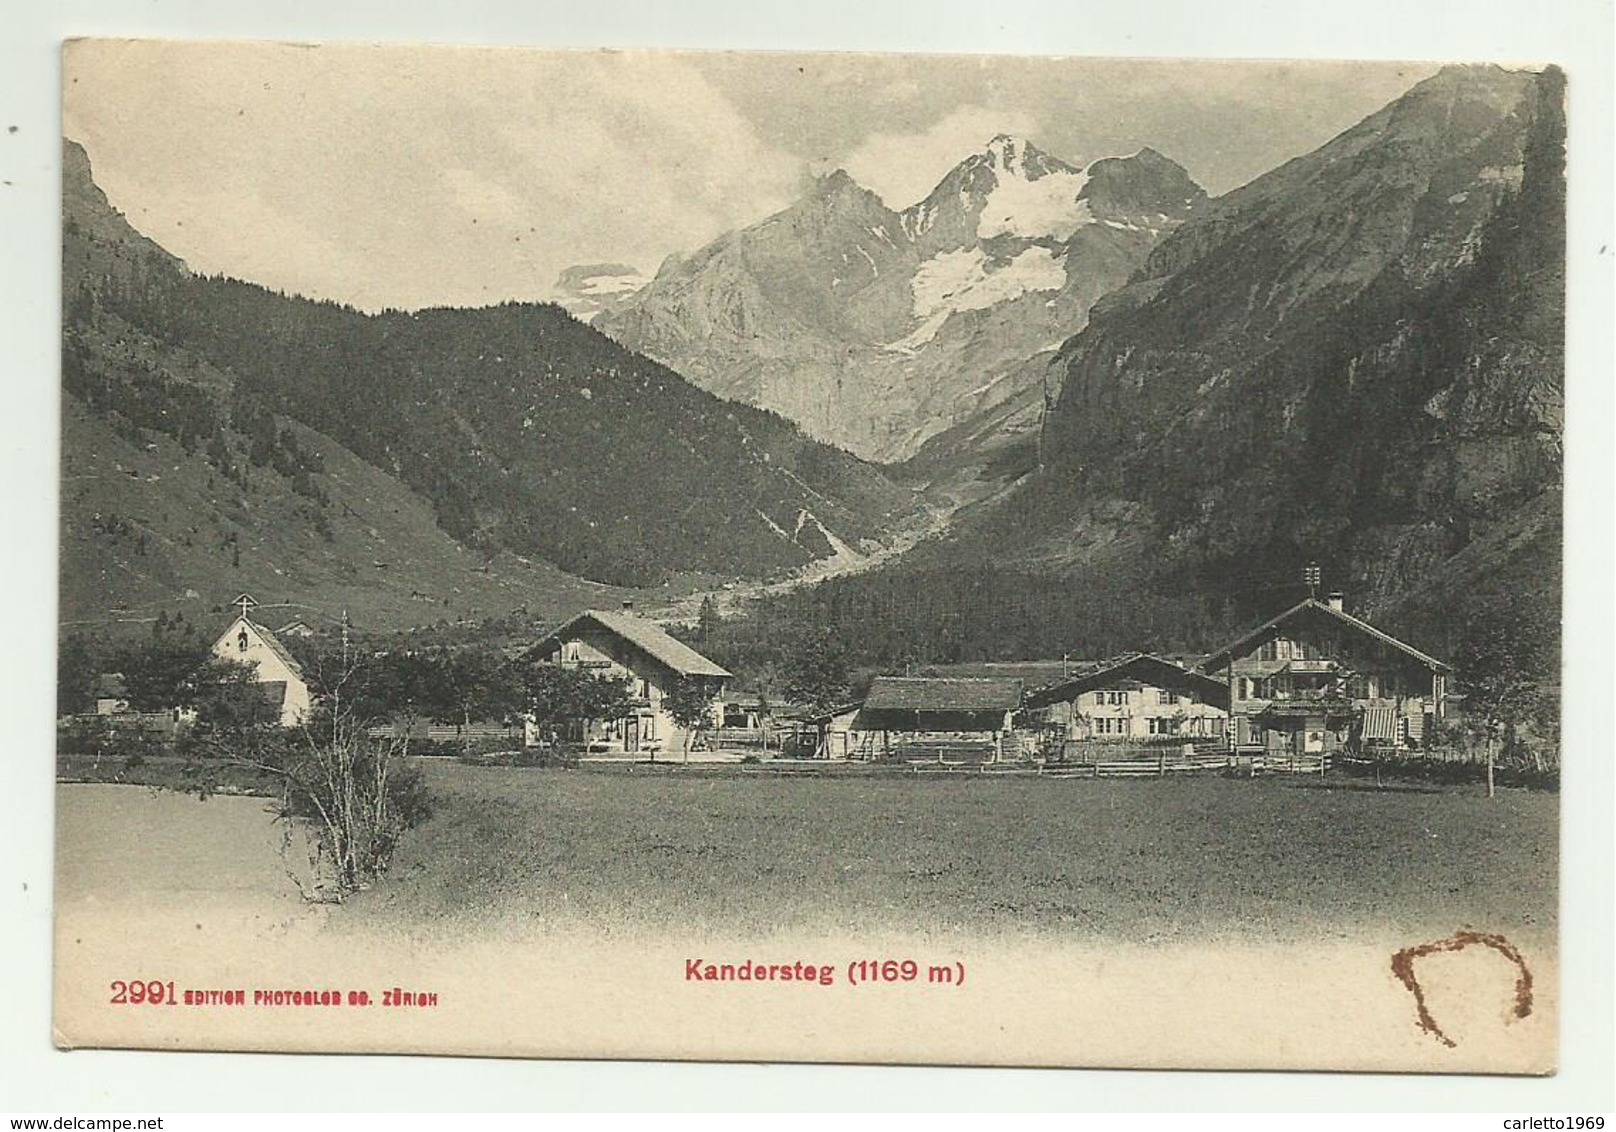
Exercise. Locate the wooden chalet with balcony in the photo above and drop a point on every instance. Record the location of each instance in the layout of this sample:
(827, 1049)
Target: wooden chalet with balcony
(1315, 679)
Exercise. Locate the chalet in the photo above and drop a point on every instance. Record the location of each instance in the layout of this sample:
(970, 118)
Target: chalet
(620, 643)
(1137, 696)
(939, 705)
(277, 671)
(1316, 678)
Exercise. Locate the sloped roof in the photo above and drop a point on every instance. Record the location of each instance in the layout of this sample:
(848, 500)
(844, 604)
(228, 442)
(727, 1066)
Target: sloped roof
(1031, 673)
(641, 633)
(825, 717)
(270, 642)
(747, 699)
(943, 693)
(1142, 667)
(1244, 644)
(279, 650)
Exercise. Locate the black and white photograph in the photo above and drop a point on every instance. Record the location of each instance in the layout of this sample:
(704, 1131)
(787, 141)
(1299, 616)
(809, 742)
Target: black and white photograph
(816, 557)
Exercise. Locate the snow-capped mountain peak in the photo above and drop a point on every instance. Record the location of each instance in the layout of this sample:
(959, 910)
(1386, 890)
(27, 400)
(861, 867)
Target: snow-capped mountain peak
(873, 328)
(1017, 157)
(1005, 152)
(588, 289)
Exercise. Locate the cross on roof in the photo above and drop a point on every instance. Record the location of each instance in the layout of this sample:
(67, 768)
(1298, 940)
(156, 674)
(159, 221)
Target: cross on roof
(246, 602)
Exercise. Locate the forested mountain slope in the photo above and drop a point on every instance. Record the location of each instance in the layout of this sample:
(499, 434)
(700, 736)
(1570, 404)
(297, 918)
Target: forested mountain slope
(511, 432)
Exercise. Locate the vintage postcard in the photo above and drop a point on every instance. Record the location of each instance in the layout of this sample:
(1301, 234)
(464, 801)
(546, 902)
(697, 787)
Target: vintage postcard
(841, 558)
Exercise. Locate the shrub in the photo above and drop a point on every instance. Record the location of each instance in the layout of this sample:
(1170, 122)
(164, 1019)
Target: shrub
(1412, 767)
(355, 792)
(563, 757)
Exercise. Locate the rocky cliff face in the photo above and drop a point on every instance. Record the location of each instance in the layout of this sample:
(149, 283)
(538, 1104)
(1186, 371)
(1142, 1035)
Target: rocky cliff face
(877, 329)
(1357, 358)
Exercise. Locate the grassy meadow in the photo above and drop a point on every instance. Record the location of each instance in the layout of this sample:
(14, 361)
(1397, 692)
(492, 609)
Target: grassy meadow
(1147, 861)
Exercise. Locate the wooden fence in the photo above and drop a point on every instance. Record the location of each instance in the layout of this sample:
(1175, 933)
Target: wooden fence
(1166, 762)
(745, 738)
(449, 732)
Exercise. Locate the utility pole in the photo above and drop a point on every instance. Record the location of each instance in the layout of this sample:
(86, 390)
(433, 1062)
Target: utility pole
(1310, 576)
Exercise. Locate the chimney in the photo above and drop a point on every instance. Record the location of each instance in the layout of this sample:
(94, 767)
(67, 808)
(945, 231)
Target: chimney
(1336, 600)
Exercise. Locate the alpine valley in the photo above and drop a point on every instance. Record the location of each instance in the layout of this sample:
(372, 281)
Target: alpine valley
(1124, 411)
(415, 467)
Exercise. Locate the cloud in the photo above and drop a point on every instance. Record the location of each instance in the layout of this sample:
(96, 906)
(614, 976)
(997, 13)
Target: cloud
(424, 176)
(415, 177)
(904, 167)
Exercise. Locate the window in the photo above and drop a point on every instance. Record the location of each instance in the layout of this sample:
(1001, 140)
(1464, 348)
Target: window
(1270, 650)
(241, 640)
(1116, 699)
(1164, 697)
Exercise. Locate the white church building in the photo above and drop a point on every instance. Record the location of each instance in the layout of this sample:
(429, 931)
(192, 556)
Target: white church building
(248, 642)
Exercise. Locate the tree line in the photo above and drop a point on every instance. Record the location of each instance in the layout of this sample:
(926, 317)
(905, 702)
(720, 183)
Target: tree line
(177, 670)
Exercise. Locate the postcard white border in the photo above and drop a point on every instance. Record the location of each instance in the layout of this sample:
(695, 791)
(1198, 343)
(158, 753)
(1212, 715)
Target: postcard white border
(1576, 35)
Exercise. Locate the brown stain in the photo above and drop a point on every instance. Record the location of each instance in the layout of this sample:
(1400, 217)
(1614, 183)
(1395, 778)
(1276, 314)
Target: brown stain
(1403, 968)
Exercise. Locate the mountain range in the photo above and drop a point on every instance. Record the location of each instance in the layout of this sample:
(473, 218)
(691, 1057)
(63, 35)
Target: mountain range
(1356, 359)
(876, 329)
(1140, 411)
(218, 435)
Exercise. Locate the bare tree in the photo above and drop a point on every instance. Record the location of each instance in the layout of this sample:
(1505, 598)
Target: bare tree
(337, 776)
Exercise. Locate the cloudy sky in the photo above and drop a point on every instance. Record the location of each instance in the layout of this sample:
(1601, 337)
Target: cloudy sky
(452, 176)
